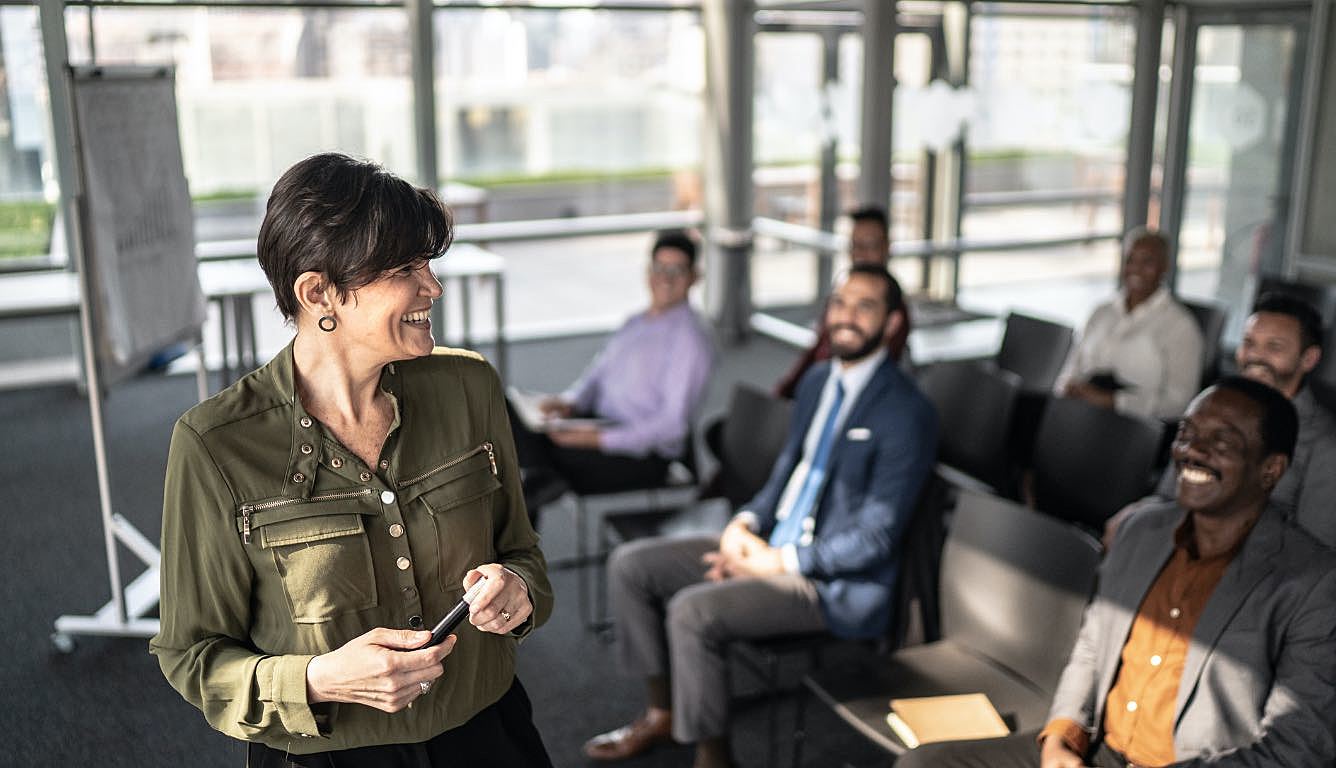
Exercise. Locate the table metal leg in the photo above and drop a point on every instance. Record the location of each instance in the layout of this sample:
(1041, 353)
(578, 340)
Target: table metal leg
(501, 350)
(466, 311)
(224, 330)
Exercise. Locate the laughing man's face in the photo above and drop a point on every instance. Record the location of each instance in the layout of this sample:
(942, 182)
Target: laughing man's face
(1218, 454)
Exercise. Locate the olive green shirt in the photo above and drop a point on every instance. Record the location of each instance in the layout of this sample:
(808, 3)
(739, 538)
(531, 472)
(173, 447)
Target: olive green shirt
(279, 544)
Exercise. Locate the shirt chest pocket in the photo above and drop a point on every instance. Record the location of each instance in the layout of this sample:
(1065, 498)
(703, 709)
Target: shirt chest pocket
(458, 498)
(320, 554)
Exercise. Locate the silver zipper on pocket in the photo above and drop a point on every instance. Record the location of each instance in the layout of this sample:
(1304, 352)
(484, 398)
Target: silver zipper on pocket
(491, 457)
(247, 509)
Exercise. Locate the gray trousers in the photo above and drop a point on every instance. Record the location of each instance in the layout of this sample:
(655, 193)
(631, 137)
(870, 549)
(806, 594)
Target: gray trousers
(671, 622)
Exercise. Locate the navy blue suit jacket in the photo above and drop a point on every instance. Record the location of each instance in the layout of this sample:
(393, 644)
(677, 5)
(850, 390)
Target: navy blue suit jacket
(876, 467)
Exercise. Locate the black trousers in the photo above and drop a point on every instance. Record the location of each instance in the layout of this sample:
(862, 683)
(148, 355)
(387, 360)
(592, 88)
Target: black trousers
(501, 736)
(1019, 750)
(585, 471)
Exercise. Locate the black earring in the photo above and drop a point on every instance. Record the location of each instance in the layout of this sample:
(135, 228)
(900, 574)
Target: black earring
(332, 323)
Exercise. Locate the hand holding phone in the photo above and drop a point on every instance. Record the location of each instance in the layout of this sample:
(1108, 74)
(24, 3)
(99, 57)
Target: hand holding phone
(457, 614)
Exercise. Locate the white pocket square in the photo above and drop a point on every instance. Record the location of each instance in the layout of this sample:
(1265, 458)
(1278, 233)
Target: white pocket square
(859, 434)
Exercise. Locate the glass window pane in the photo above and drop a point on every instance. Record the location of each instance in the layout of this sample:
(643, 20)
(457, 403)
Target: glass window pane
(259, 89)
(570, 112)
(1048, 140)
(1237, 183)
(1047, 143)
(28, 191)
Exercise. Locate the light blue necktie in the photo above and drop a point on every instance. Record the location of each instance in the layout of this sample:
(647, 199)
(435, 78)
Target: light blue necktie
(790, 529)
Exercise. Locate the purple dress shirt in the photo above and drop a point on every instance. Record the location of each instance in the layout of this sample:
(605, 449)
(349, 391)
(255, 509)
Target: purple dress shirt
(649, 379)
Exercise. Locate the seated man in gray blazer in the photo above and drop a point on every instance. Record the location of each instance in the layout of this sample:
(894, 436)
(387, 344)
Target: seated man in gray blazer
(1211, 639)
(1281, 346)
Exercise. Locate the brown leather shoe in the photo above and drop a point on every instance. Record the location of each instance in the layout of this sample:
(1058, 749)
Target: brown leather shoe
(629, 740)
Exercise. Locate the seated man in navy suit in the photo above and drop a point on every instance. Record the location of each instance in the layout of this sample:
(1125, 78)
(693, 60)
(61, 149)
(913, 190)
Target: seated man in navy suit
(818, 549)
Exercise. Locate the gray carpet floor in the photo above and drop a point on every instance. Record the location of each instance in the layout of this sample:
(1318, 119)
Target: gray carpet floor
(107, 704)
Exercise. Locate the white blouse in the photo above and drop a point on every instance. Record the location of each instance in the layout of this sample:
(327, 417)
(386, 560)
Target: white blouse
(1155, 350)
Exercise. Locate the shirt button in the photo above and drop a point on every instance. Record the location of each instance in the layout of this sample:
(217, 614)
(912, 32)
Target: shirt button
(1155, 660)
(387, 497)
(364, 477)
(415, 622)
(403, 563)
(1131, 706)
(307, 448)
(384, 463)
(1174, 613)
(298, 478)
(336, 462)
(396, 530)
(306, 422)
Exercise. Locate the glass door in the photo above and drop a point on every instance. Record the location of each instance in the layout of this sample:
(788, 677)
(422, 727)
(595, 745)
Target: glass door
(1229, 156)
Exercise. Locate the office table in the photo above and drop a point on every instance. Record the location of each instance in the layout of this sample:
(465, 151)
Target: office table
(234, 283)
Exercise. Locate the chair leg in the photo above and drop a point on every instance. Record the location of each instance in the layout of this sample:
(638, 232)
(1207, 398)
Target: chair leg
(799, 727)
(772, 748)
(582, 560)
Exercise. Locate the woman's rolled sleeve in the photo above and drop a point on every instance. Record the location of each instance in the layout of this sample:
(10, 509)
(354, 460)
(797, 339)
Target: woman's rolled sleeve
(516, 541)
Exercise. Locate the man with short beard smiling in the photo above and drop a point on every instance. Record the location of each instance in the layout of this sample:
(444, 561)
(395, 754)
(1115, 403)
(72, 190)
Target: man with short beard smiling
(817, 549)
(1282, 344)
(1211, 637)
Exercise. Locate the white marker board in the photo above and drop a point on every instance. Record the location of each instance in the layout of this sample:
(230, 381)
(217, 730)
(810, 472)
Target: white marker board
(138, 227)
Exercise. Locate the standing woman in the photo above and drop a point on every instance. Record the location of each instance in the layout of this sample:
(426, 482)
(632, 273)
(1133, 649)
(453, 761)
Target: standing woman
(324, 512)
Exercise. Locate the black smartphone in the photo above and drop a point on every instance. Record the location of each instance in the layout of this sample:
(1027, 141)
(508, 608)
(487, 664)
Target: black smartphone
(456, 615)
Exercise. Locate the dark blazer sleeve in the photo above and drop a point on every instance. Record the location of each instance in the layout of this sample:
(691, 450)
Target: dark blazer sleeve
(906, 445)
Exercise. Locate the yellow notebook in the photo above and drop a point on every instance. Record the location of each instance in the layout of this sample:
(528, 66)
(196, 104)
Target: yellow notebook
(945, 718)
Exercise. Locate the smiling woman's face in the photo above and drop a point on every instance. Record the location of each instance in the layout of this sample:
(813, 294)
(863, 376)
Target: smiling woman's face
(1143, 269)
(390, 318)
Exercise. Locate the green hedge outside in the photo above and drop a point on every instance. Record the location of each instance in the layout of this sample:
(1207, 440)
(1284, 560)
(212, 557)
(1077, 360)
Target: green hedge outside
(25, 228)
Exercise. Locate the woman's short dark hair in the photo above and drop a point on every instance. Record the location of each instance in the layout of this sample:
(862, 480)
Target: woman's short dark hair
(348, 219)
(675, 238)
(1276, 416)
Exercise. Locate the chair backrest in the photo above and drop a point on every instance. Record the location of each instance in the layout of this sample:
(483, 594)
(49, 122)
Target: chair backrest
(753, 434)
(1210, 319)
(1090, 462)
(975, 403)
(1014, 585)
(1035, 350)
(918, 616)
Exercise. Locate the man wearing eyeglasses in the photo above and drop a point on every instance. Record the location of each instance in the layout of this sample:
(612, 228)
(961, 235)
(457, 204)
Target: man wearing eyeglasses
(627, 418)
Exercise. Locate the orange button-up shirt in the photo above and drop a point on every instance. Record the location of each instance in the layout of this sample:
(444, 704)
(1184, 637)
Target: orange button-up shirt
(1139, 711)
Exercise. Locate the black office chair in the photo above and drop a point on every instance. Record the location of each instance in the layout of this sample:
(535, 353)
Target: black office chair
(753, 433)
(1034, 350)
(1014, 584)
(751, 436)
(975, 405)
(915, 610)
(1210, 318)
(679, 489)
(1090, 462)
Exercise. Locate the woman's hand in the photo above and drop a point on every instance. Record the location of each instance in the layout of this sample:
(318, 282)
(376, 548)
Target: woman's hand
(504, 602)
(377, 669)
